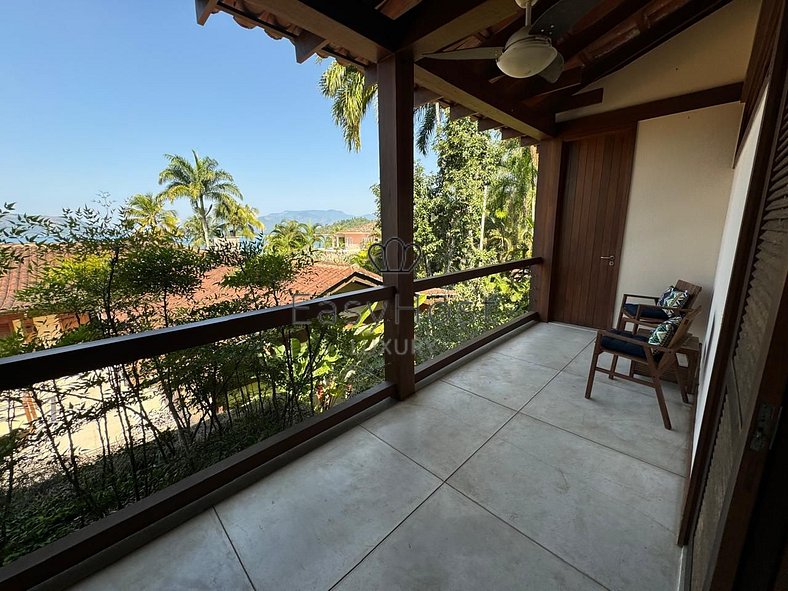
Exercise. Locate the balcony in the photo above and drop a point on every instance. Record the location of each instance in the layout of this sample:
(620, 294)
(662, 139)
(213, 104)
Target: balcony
(499, 474)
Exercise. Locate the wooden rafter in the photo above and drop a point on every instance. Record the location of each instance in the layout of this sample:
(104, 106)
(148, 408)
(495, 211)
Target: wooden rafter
(434, 24)
(453, 84)
(671, 25)
(307, 44)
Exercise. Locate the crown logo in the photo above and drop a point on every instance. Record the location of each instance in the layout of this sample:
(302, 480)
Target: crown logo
(391, 256)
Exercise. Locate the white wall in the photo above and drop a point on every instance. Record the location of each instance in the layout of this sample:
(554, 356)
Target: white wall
(681, 184)
(712, 52)
(730, 237)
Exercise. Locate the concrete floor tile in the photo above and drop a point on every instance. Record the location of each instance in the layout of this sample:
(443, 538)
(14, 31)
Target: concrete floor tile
(451, 543)
(195, 556)
(507, 381)
(624, 420)
(605, 513)
(440, 426)
(309, 523)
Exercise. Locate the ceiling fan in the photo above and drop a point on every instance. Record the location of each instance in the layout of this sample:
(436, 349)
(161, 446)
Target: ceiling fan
(529, 51)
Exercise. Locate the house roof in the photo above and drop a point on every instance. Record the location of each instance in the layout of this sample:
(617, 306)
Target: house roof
(597, 38)
(30, 259)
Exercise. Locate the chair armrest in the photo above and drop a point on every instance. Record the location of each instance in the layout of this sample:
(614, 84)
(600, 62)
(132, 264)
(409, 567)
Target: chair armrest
(655, 299)
(618, 337)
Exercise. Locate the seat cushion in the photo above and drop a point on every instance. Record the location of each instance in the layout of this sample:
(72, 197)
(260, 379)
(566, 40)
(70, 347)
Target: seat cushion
(646, 312)
(613, 344)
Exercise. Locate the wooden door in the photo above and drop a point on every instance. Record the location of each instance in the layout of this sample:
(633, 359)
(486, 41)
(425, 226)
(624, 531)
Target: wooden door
(752, 369)
(592, 212)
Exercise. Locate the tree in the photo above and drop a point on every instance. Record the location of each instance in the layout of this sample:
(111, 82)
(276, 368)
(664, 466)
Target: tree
(292, 236)
(351, 98)
(204, 184)
(146, 212)
(238, 219)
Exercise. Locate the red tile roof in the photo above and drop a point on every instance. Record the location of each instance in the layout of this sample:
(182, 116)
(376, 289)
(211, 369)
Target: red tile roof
(23, 272)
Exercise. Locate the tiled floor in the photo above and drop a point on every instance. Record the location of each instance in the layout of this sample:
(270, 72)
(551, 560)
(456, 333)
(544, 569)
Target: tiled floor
(500, 475)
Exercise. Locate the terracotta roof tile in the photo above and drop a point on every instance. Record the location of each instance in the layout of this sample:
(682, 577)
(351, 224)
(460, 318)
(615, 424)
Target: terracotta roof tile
(31, 258)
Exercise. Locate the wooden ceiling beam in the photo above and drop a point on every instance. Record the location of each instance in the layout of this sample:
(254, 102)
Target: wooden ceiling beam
(453, 84)
(609, 120)
(510, 134)
(204, 9)
(486, 124)
(573, 44)
(433, 24)
(577, 101)
(458, 112)
(307, 44)
(423, 96)
(350, 24)
(673, 24)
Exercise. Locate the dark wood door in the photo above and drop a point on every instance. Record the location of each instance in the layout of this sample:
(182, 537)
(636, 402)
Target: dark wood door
(592, 212)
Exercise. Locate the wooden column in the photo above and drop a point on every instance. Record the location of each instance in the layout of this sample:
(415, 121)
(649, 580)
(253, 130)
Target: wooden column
(395, 124)
(548, 191)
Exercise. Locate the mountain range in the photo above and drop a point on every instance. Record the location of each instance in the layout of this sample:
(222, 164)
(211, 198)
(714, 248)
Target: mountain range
(309, 216)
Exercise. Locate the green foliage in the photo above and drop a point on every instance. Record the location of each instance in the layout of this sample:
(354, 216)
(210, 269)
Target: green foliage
(147, 213)
(290, 236)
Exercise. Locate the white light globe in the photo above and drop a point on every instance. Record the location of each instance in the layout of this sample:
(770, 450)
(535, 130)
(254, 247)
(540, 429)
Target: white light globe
(526, 57)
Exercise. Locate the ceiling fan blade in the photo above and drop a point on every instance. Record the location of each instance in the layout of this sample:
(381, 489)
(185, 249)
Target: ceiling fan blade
(553, 72)
(473, 53)
(561, 17)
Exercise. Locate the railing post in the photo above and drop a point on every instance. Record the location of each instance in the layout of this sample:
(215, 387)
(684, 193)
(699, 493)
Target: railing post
(395, 125)
(548, 194)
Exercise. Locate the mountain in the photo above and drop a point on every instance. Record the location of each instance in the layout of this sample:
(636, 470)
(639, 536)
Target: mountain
(309, 216)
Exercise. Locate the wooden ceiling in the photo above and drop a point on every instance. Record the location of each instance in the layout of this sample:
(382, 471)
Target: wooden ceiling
(609, 36)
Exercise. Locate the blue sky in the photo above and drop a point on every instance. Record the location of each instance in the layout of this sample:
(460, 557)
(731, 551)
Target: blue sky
(92, 96)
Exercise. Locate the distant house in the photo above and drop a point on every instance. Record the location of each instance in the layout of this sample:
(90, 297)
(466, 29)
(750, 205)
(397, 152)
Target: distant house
(353, 239)
(14, 316)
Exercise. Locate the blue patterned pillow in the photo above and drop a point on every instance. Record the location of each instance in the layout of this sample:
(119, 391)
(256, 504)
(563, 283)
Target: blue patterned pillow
(662, 335)
(673, 298)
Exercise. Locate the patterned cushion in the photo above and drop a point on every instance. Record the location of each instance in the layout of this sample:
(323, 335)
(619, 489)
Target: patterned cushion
(662, 335)
(673, 298)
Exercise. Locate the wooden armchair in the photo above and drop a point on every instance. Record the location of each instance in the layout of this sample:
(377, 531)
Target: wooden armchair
(651, 314)
(636, 348)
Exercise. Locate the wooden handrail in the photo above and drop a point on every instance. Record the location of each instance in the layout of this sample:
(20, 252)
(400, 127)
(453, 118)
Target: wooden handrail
(460, 276)
(29, 368)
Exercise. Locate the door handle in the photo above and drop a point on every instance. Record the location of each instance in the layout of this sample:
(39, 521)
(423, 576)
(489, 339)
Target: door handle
(611, 260)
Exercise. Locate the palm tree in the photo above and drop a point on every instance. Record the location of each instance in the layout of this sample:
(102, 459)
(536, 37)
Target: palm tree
(351, 99)
(292, 236)
(238, 219)
(204, 184)
(194, 230)
(146, 213)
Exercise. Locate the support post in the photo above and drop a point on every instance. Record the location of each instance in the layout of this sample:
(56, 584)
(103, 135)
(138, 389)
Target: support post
(548, 192)
(395, 124)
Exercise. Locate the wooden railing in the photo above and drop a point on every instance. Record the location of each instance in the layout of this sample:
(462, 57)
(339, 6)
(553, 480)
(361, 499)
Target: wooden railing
(73, 557)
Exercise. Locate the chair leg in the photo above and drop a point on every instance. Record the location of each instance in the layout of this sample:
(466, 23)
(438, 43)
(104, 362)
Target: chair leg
(663, 408)
(682, 385)
(613, 367)
(592, 370)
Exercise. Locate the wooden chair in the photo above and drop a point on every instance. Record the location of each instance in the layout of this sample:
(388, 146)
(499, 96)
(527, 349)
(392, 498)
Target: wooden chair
(651, 315)
(635, 347)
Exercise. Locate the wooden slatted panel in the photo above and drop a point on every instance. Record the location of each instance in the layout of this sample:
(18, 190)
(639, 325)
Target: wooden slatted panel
(768, 273)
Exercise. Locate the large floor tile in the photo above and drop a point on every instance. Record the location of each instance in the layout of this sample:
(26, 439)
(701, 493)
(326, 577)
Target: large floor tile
(624, 420)
(307, 525)
(607, 514)
(550, 345)
(440, 426)
(195, 556)
(505, 380)
(451, 543)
